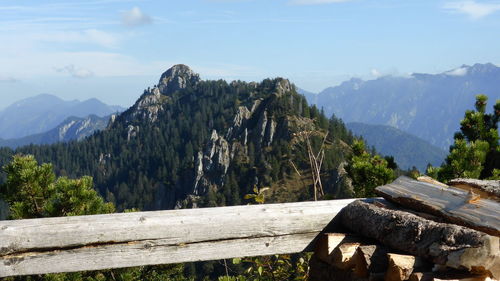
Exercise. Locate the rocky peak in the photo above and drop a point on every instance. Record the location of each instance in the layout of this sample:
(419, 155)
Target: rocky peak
(176, 78)
(283, 86)
(479, 68)
(149, 105)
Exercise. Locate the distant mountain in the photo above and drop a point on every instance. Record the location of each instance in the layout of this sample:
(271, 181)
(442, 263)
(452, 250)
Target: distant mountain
(429, 106)
(190, 142)
(44, 112)
(73, 128)
(310, 96)
(407, 149)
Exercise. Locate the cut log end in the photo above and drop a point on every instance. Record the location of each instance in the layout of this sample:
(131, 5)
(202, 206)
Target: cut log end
(400, 267)
(337, 248)
(454, 246)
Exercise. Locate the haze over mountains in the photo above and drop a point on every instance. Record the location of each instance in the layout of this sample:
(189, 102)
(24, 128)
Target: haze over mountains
(429, 106)
(408, 150)
(73, 128)
(190, 142)
(426, 108)
(44, 112)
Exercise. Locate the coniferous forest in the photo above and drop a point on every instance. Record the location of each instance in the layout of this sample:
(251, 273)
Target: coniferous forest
(189, 143)
(144, 140)
(147, 157)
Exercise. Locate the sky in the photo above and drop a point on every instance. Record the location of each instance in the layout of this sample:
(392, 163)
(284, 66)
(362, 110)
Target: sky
(114, 49)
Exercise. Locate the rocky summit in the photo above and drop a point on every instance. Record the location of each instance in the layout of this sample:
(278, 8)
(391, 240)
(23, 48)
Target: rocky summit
(188, 142)
(176, 78)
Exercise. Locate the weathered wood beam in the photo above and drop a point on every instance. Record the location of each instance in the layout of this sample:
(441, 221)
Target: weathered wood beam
(486, 188)
(430, 180)
(68, 244)
(448, 244)
(455, 205)
(148, 252)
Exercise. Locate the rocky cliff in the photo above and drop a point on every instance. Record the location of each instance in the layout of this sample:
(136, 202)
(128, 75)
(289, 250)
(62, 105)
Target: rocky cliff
(188, 142)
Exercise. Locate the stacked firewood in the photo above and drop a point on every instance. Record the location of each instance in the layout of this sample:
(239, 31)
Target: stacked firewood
(423, 230)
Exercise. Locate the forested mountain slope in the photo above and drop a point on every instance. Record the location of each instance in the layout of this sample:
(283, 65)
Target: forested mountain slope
(188, 142)
(429, 106)
(408, 150)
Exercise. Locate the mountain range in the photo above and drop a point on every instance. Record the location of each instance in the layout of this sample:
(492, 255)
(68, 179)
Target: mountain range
(45, 112)
(408, 150)
(429, 106)
(73, 128)
(188, 142)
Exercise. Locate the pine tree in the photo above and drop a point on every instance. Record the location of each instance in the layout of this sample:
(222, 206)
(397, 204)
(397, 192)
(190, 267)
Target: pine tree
(367, 171)
(476, 151)
(32, 191)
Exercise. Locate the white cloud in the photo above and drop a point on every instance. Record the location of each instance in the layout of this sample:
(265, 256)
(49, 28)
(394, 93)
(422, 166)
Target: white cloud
(376, 73)
(76, 72)
(135, 17)
(316, 2)
(92, 36)
(461, 71)
(36, 63)
(100, 37)
(473, 9)
(7, 79)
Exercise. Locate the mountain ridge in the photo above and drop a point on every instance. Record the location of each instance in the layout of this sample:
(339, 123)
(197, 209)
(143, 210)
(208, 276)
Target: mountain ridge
(188, 142)
(429, 106)
(408, 150)
(72, 128)
(41, 113)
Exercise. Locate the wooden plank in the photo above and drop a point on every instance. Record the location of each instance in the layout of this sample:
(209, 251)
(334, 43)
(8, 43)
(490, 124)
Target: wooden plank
(38, 246)
(431, 180)
(486, 188)
(455, 205)
(149, 252)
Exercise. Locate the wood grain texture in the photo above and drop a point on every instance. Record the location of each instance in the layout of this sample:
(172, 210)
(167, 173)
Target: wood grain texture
(149, 252)
(328, 242)
(487, 188)
(447, 202)
(371, 258)
(67, 244)
(400, 267)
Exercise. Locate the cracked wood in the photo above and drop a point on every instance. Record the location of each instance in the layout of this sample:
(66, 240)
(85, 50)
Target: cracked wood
(452, 204)
(67, 244)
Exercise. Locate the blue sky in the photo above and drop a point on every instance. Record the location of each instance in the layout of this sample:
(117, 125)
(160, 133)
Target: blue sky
(113, 49)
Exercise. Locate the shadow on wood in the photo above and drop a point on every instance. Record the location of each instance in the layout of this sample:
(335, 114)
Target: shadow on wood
(69, 244)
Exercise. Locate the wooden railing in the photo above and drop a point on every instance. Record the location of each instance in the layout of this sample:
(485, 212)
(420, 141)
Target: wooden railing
(69, 244)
